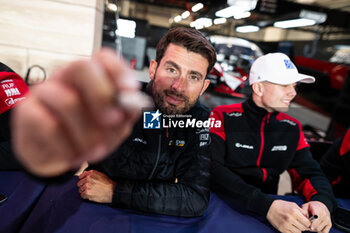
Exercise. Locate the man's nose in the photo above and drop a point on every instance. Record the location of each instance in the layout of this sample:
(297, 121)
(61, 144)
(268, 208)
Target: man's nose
(179, 84)
(292, 91)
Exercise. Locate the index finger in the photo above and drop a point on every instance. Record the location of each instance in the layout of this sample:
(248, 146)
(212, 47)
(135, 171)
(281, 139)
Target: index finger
(302, 219)
(117, 69)
(89, 81)
(81, 182)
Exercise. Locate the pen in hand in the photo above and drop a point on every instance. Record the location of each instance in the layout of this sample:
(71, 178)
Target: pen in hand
(2, 198)
(313, 217)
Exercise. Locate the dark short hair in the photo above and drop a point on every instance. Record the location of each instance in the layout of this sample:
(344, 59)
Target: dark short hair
(191, 39)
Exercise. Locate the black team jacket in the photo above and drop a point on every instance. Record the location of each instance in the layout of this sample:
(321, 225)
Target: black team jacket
(252, 148)
(336, 165)
(163, 171)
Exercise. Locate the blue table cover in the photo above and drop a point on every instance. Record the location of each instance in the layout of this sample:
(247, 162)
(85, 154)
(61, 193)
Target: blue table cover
(60, 209)
(22, 193)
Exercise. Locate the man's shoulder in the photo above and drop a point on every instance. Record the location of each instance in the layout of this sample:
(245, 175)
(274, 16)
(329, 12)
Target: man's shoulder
(13, 88)
(200, 111)
(5, 68)
(6, 73)
(231, 108)
(283, 117)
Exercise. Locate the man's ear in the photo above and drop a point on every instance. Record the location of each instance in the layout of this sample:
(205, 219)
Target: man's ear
(205, 86)
(152, 69)
(258, 88)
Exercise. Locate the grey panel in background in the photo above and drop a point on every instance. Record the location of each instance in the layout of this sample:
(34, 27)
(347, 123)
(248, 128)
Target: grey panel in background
(134, 48)
(151, 53)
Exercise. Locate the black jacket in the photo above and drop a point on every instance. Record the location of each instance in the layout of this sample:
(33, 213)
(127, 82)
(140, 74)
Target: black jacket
(162, 171)
(336, 165)
(7, 158)
(252, 148)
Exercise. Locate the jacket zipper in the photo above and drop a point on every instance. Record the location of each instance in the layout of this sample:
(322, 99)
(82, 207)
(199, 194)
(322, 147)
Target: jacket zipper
(262, 143)
(157, 158)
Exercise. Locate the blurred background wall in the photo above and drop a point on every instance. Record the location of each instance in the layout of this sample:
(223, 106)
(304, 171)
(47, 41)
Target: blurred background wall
(48, 32)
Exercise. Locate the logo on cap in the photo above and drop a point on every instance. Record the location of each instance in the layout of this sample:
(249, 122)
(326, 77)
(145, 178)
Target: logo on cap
(289, 64)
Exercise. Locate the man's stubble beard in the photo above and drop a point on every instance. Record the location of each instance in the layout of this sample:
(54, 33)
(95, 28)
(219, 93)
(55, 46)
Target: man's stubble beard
(159, 98)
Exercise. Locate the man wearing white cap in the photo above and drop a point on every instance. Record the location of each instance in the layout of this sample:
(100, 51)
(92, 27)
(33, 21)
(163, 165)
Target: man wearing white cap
(257, 142)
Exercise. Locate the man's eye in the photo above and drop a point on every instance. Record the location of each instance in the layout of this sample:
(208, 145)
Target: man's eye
(171, 70)
(194, 77)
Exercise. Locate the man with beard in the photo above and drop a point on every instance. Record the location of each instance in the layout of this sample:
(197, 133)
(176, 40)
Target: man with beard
(160, 171)
(257, 141)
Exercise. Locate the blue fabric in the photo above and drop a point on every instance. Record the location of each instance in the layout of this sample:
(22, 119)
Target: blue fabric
(22, 193)
(60, 209)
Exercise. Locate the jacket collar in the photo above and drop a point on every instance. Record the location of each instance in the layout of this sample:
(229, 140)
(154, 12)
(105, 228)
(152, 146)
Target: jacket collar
(255, 110)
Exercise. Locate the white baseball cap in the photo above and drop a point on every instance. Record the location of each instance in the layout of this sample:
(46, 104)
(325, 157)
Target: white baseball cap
(276, 68)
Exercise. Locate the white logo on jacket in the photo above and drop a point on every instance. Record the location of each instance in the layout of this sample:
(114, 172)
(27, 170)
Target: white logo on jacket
(180, 142)
(279, 148)
(202, 130)
(289, 122)
(239, 145)
(235, 114)
(140, 140)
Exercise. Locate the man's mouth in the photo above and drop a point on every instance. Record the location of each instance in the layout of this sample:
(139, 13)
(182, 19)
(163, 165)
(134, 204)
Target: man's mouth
(173, 99)
(286, 102)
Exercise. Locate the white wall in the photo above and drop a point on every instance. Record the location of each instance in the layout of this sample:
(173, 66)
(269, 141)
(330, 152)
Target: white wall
(49, 33)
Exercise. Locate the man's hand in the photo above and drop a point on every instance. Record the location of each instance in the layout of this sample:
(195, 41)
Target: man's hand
(75, 116)
(323, 223)
(96, 186)
(288, 217)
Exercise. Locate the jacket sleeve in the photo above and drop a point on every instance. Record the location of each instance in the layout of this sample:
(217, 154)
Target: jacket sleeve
(331, 162)
(336, 163)
(227, 184)
(186, 195)
(307, 177)
(7, 158)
